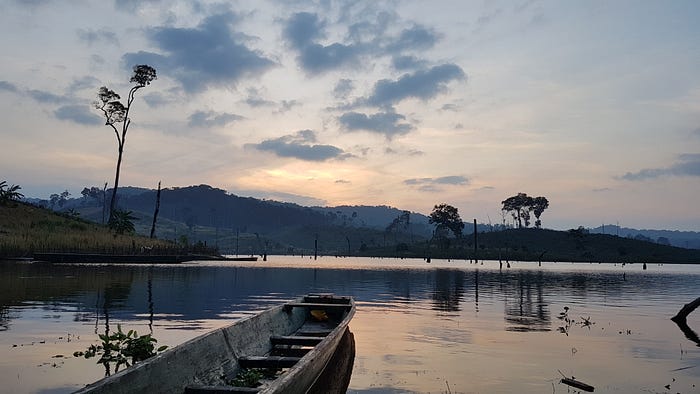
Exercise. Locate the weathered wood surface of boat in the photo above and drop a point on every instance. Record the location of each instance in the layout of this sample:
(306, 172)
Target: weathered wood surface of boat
(286, 336)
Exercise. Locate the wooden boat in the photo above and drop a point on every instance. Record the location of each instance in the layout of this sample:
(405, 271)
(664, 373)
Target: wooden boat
(297, 339)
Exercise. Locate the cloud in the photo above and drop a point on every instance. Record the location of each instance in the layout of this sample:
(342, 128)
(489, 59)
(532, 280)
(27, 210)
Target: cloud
(301, 31)
(7, 86)
(132, 5)
(344, 87)
(300, 146)
(158, 99)
(306, 201)
(687, 165)
(287, 105)
(212, 119)
(256, 100)
(83, 83)
(79, 114)
(302, 28)
(415, 38)
(435, 184)
(423, 85)
(367, 40)
(445, 180)
(43, 96)
(450, 107)
(407, 62)
(98, 36)
(387, 123)
(210, 55)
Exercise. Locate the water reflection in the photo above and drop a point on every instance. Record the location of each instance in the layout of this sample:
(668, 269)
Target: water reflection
(411, 322)
(525, 306)
(202, 293)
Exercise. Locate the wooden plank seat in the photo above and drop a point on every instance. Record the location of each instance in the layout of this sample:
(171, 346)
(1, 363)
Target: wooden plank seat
(268, 361)
(291, 351)
(313, 332)
(315, 305)
(295, 340)
(201, 389)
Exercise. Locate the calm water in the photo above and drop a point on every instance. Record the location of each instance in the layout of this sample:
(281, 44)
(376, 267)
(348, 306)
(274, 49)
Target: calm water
(444, 327)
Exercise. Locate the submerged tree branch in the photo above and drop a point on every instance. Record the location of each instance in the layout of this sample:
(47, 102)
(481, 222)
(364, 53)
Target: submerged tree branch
(681, 320)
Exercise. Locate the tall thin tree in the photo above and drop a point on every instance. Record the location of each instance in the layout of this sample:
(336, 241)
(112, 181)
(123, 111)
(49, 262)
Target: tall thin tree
(117, 116)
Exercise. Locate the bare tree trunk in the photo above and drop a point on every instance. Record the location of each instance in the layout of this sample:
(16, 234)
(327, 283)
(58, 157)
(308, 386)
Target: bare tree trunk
(104, 202)
(155, 214)
(112, 203)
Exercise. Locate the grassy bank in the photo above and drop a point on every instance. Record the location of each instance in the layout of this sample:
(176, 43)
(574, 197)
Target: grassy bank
(27, 229)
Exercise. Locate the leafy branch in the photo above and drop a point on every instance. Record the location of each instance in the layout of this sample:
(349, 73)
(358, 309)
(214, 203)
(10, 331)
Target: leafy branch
(120, 349)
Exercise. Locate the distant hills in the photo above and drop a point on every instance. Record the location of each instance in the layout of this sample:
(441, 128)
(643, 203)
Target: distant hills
(245, 225)
(682, 239)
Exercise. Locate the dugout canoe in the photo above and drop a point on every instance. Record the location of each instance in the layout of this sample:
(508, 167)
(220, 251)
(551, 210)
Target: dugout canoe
(297, 339)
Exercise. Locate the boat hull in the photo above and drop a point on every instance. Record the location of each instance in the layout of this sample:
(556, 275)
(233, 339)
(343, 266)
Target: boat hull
(202, 364)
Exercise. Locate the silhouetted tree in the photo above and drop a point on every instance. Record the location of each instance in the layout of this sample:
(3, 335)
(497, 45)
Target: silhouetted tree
(539, 204)
(519, 208)
(9, 193)
(446, 217)
(117, 114)
(521, 205)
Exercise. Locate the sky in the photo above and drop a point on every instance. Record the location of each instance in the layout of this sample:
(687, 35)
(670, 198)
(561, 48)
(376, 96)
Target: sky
(594, 105)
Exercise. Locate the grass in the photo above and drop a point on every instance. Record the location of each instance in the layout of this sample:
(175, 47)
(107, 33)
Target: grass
(26, 229)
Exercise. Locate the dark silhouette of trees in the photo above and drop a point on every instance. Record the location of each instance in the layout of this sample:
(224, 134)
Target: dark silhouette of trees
(59, 199)
(520, 206)
(9, 193)
(539, 204)
(446, 217)
(117, 116)
(400, 223)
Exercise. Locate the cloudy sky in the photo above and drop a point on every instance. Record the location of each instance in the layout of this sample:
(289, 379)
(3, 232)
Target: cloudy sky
(592, 104)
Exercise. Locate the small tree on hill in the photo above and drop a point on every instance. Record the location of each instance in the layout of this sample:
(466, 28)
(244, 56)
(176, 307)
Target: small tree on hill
(117, 116)
(122, 222)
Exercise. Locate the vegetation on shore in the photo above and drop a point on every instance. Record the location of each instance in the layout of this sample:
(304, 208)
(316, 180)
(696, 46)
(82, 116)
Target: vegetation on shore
(26, 229)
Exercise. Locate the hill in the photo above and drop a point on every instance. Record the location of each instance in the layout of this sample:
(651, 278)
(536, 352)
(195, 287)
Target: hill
(244, 225)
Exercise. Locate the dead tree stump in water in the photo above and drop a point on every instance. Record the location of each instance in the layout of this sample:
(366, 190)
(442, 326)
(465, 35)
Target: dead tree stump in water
(686, 310)
(681, 320)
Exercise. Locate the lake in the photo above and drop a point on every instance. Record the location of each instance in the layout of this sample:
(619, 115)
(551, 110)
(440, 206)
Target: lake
(439, 327)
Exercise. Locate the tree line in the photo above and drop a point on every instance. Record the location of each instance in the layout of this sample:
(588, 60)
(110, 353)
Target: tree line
(446, 218)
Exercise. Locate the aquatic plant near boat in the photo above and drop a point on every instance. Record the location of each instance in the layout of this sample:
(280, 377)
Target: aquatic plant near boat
(251, 377)
(122, 349)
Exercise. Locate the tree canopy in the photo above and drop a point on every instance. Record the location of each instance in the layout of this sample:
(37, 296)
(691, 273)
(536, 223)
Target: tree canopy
(445, 216)
(520, 206)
